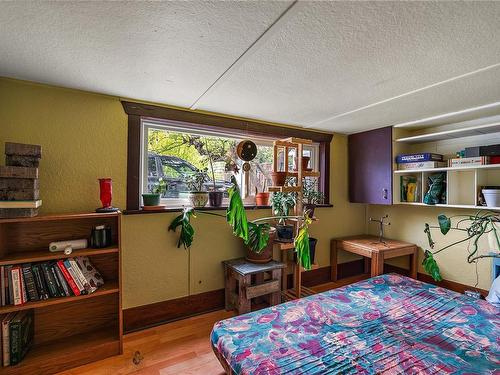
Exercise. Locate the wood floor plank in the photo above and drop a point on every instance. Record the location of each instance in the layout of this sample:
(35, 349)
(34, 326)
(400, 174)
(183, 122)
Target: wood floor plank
(181, 347)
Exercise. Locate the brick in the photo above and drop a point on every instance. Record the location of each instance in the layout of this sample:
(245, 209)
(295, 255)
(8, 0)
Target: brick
(19, 195)
(18, 172)
(23, 149)
(22, 161)
(19, 183)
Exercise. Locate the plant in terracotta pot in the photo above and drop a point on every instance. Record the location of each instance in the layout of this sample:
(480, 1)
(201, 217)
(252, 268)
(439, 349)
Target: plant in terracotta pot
(281, 204)
(311, 195)
(278, 178)
(153, 198)
(262, 198)
(196, 184)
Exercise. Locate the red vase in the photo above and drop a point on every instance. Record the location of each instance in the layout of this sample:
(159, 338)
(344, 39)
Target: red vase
(106, 187)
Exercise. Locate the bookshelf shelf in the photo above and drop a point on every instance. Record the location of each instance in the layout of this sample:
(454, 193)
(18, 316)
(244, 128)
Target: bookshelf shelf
(444, 169)
(92, 346)
(68, 331)
(43, 255)
(109, 288)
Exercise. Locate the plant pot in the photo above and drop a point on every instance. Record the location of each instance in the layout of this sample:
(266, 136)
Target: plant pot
(151, 199)
(262, 199)
(198, 198)
(312, 250)
(310, 207)
(266, 255)
(285, 232)
(279, 178)
(305, 163)
(215, 198)
(492, 197)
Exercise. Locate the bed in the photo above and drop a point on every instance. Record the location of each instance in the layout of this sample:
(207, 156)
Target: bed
(387, 324)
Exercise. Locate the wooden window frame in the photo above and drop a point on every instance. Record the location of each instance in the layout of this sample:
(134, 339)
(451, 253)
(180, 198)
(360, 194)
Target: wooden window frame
(138, 111)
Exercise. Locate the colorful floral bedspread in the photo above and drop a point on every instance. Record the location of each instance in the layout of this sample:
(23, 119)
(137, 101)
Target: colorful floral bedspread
(388, 324)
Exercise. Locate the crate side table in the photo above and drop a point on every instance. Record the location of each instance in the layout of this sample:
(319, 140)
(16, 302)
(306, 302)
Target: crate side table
(240, 288)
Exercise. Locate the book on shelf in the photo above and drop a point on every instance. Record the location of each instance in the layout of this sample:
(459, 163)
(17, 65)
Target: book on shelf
(21, 329)
(418, 157)
(31, 282)
(422, 165)
(469, 162)
(491, 150)
(6, 338)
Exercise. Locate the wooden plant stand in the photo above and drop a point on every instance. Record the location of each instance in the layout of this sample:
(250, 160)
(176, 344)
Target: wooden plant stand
(286, 145)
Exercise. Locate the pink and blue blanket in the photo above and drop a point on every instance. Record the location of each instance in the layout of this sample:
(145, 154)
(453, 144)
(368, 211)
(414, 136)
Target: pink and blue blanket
(389, 324)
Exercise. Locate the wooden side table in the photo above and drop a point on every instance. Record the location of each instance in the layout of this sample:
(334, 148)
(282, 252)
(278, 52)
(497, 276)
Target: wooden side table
(240, 288)
(373, 252)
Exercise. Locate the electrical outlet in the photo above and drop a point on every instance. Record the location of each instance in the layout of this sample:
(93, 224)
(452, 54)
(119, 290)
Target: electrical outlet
(473, 294)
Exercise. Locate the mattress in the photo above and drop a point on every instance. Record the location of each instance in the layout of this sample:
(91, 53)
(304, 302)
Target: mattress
(388, 324)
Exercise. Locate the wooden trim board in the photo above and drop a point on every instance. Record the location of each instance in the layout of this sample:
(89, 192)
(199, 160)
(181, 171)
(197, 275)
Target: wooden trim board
(141, 317)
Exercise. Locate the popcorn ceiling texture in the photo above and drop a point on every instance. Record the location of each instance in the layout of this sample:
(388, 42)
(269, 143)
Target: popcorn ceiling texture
(319, 65)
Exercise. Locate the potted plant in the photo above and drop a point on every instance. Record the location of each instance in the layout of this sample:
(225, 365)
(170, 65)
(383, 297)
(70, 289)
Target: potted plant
(311, 196)
(214, 196)
(195, 183)
(281, 205)
(257, 234)
(153, 198)
(262, 198)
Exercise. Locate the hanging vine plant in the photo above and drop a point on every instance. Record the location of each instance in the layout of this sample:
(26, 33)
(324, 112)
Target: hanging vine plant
(473, 228)
(255, 234)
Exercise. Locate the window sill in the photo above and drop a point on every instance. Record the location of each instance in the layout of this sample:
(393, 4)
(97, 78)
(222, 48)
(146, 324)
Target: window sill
(208, 208)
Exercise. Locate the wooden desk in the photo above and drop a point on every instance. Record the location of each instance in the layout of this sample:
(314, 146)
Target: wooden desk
(373, 252)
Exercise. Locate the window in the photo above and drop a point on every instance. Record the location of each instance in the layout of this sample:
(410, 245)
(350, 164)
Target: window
(173, 153)
(143, 118)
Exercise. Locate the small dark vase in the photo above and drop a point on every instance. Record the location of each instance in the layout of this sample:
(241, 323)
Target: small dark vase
(310, 207)
(312, 250)
(285, 232)
(215, 198)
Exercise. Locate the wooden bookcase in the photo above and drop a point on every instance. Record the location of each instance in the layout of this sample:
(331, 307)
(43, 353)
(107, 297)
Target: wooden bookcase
(69, 331)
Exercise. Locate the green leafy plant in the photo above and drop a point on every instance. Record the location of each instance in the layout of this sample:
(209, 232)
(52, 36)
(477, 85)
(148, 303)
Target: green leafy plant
(255, 234)
(195, 181)
(310, 192)
(161, 188)
(187, 232)
(235, 214)
(473, 227)
(302, 245)
(282, 203)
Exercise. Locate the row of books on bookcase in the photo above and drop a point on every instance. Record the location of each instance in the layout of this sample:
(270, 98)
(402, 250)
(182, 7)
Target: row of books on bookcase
(40, 281)
(17, 336)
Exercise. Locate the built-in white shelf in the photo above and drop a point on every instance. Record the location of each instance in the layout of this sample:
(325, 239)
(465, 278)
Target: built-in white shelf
(450, 206)
(452, 133)
(445, 169)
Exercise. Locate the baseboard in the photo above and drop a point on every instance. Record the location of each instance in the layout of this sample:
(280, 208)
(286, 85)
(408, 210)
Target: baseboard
(141, 317)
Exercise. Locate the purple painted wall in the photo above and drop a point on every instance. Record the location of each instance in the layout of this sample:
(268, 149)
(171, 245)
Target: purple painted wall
(370, 166)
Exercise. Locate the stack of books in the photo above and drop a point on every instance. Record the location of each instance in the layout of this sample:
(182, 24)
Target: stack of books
(424, 160)
(17, 336)
(29, 282)
(19, 187)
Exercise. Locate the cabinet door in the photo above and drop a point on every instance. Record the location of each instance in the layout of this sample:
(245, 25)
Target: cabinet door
(370, 166)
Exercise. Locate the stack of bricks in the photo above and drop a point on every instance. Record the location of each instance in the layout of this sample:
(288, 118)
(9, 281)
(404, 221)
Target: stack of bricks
(19, 184)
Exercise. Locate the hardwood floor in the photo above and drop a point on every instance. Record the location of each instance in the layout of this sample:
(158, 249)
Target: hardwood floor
(181, 347)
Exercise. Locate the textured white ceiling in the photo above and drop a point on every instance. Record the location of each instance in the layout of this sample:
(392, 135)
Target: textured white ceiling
(338, 66)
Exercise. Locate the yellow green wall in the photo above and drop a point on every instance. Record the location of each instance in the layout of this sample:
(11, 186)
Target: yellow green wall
(84, 137)
(407, 224)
